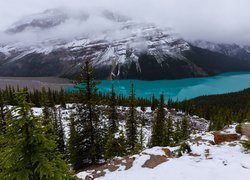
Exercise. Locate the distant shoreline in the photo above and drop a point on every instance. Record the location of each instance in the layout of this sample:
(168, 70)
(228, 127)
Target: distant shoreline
(36, 83)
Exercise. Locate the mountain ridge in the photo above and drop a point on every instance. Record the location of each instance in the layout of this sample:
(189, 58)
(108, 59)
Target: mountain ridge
(123, 49)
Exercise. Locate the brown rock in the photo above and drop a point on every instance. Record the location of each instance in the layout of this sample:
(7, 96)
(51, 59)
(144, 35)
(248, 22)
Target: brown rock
(197, 139)
(167, 152)
(129, 163)
(245, 129)
(194, 154)
(219, 138)
(154, 161)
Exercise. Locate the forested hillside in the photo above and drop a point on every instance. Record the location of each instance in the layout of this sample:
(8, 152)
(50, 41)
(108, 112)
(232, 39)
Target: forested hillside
(219, 109)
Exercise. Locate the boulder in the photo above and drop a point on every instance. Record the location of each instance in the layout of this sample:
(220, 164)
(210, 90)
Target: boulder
(220, 137)
(245, 129)
(167, 152)
(199, 139)
(154, 161)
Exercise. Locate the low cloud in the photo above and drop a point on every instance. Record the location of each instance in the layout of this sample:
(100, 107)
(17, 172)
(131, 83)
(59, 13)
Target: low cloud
(213, 20)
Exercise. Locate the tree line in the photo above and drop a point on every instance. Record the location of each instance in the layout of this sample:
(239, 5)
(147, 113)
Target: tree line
(220, 110)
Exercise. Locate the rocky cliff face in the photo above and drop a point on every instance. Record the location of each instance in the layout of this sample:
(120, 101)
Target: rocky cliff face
(122, 49)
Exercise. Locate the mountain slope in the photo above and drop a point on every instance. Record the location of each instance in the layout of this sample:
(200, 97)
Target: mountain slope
(121, 48)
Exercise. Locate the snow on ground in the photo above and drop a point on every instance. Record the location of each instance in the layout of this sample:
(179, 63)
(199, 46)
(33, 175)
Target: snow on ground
(206, 162)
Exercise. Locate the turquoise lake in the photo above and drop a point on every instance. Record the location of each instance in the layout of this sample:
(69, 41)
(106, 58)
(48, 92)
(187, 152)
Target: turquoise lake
(180, 89)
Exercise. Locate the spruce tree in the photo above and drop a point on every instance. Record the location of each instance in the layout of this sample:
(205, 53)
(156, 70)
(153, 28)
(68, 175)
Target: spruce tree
(74, 145)
(3, 110)
(153, 103)
(159, 125)
(131, 124)
(59, 130)
(177, 133)
(169, 132)
(246, 144)
(115, 143)
(185, 128)
(27, 152)
(62, 98)
(87, 123)
(113, 115)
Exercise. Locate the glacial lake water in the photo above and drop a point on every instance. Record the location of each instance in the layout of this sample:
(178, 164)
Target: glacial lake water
(180, 89)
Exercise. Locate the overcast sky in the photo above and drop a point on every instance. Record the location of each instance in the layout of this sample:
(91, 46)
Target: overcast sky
(214, 20)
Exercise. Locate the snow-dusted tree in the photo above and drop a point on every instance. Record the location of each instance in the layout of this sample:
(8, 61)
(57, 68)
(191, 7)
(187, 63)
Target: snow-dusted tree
(3, 110)
(169, 132)
(75, 145)
(159, 125)
(59, 129)
(112, 113)
(27, 152)
(115, 145)
(131, 123)
(185, 128)
(246, 144)
(87, 123)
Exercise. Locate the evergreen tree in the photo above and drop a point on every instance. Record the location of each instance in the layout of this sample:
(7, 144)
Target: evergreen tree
(27, 152)
(113, 115)
(185, 128)
(3, 110)
(169, 132)
(140, 145)
(115, 145)
(87, 123)
(74, 145)
(153, 103)
(131, 124)
(246, 144)
(159, 125)
(59, 130)
(62, 98)
(177, 133)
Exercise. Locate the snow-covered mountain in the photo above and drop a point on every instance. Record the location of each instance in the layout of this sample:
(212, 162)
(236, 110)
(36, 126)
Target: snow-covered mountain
(233, 50)
(56, 42)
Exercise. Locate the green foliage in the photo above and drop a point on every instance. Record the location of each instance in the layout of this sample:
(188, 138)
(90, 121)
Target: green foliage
(27, 152)
(238, 128)
(185, 129)
(131, 124)
(177, 133)
(221, 110)
(169, 132)
(159, 125)
(115, 146)
(75, 152)
(246, 144)
(3, 110)
(112, 114)
(184, 148)
(86, 127)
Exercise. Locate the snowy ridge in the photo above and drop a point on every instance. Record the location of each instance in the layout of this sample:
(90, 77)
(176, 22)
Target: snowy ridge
(121, 44)
(233, 50)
